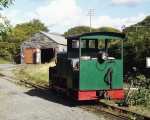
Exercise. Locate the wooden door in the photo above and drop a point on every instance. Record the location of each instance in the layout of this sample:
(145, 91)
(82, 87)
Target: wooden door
(30, 55)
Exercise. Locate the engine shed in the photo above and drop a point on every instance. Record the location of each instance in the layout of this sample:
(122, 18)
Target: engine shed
(42, 47)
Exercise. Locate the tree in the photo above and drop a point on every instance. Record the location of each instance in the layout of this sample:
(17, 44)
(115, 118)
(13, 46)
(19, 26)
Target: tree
(5, 3)
(4, 23)
(85, 29)
(108, 29)
(4, 27)
(22, 32)
(139, 42)
(78, 30)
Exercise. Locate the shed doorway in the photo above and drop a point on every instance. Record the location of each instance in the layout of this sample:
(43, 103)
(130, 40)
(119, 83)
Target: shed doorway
(29, 55)
(47, 55)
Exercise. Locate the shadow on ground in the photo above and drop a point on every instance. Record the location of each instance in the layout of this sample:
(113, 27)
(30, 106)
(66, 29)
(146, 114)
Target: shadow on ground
(2, 75)
(57, 98)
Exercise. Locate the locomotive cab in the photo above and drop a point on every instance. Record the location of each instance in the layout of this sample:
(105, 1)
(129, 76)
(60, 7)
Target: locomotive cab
(92, 67)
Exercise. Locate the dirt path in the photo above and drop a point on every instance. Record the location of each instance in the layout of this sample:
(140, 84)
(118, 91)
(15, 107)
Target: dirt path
(18, 103)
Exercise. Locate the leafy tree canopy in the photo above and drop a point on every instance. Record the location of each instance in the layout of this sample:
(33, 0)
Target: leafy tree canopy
(5, 3)
(10, 44)
(4, 23)
(108, 29)
(77, 30)
(4, 27)
(23, 31)
(85, 29)
(139, 41)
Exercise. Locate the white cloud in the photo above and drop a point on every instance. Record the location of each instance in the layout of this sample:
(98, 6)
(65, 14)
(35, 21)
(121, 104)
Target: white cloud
(60, 15)
(57, 13)
(126, 2)
(60, 12)
(12, 16)
(118, 22)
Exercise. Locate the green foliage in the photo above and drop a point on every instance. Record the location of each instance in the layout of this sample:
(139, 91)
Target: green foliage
(7, 50)
(5, 3)
(4, 27)
(23, 31)
(108, 29)
(3, 61)
(142, 95)
(78, 30)
(37, 74)
(145, 22)
(4, 23)
(137, 48)
(85, 29)
(10, 43)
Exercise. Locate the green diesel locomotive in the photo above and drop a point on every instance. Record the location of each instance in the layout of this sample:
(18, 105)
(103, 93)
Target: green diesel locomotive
(92, 67)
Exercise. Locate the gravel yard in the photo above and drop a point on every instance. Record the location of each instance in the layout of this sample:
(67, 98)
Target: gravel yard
(16, 105)
(19, 103)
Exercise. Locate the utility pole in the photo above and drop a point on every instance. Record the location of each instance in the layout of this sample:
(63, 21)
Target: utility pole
(91, 13)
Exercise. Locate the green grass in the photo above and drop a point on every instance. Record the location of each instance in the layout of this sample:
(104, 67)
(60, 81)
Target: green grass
(1, 75)
(37, 74)
(3, 61)
(140, 109)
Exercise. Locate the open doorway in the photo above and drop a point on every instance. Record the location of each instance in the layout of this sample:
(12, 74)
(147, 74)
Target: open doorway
(47, 55)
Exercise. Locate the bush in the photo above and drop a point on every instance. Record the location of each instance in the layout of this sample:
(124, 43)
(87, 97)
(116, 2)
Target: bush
(142, 95)
(7, 50)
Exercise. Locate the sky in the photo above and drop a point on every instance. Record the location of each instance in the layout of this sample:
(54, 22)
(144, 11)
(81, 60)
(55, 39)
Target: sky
(60, 15)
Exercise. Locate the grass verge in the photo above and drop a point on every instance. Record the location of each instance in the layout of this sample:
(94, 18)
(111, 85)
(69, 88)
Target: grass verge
(3, 61)
(140, 109)
(37, 74)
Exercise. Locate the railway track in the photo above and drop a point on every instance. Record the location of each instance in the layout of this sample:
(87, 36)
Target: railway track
(106, 112)
(116, 113)
(109, 111)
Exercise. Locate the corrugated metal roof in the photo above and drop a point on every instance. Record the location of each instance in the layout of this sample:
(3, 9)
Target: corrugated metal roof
(45, 40)
(59, 39)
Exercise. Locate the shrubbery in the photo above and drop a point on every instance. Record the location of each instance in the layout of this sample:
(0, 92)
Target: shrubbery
(141, 96)
(10, 42)
(7, 50)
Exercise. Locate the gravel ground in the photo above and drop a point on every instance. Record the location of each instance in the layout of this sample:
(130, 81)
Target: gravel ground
(17, 103)
(6, 69)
